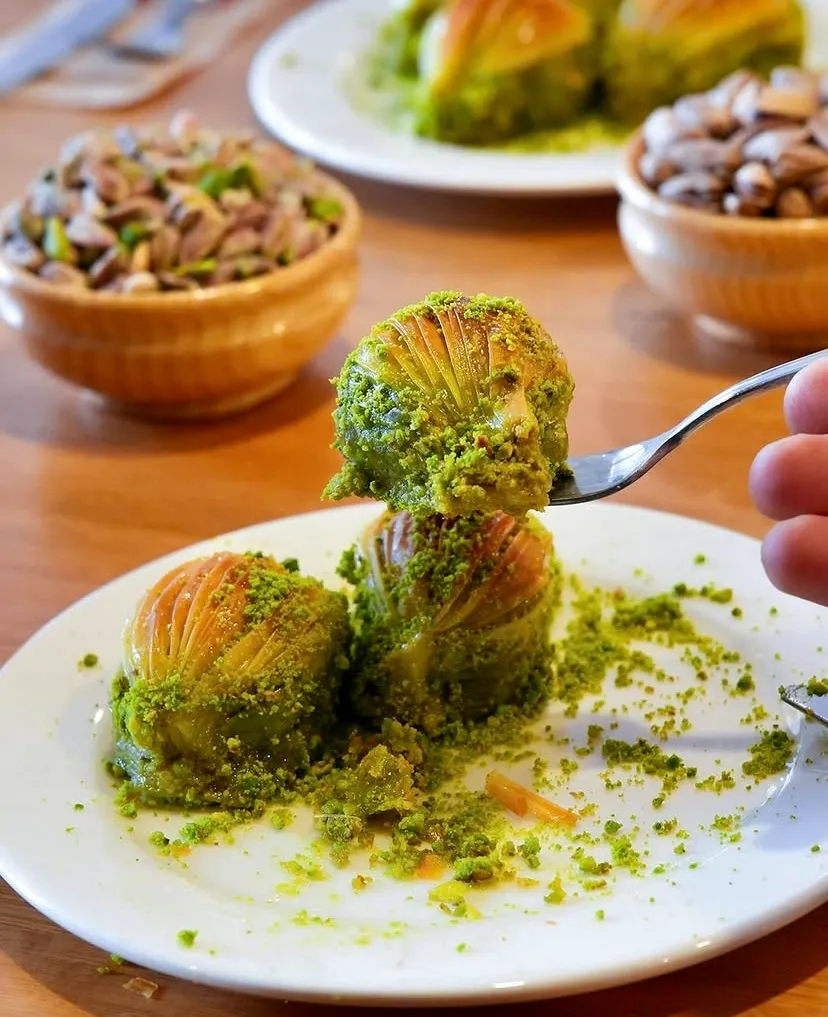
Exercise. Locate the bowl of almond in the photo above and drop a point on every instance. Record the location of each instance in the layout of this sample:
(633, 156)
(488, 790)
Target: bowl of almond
(724, 208)
(178, 271)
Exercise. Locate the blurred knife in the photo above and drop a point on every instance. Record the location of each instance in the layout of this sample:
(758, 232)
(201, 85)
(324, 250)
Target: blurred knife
(48, 40)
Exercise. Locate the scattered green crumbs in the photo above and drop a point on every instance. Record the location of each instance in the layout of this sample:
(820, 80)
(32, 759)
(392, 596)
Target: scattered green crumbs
(187, 937)
(89, 660)
(817, 687)
(388, 799)
(770, 755)
(115, 962)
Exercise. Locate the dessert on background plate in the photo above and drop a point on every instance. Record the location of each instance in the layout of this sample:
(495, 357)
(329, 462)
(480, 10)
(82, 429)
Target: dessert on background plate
(659, 50)
(342, 82)
(479, 72)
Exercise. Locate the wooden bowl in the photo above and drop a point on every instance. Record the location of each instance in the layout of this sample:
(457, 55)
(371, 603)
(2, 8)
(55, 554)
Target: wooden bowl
(203, 353)
(762, 282)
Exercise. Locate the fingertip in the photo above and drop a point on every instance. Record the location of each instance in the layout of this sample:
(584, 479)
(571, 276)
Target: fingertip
(795, 558)
(766, 479)
(806, 400)
(789, 477)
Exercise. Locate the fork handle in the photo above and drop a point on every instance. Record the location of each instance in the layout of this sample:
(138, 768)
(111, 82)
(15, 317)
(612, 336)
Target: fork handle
(762, 382)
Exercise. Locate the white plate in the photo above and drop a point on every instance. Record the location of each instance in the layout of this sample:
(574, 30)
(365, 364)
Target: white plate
(109, 886)
(302, 84)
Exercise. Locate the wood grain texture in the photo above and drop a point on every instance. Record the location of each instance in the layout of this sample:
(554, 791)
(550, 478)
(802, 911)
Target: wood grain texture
(86, 495)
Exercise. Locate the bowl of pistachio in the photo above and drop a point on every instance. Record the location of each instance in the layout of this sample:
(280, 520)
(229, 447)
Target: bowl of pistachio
(178, 271)
(724, 208)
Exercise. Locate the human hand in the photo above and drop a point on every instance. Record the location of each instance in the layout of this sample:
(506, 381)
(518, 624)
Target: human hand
(789, 483)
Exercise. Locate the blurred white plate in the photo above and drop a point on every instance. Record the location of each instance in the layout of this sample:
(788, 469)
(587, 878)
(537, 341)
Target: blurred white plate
(303, 83)
(95, 873)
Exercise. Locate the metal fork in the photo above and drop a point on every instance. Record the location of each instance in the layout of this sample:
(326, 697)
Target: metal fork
(800, 699)
(161, 38)
(605, 473)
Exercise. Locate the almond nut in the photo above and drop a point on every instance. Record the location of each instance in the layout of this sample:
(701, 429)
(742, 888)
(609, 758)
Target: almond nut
(698, 190)
(817, 188)
(140, 282)
(794, 203)
(184, 129)
(655, 169)
(787, 76)
(22, 253)
(85, 231)
(111, 263)
(109, 183)
(140, 208)
(171, 281)
(699, 111)
(703, 154)
(768, 146)
(755, 182)
(818, 126)
(745, 103)
(61, 274)
(239, 242)
(201, 240)
(164, 247)
(794, 103)
(662, 127)
(141, 257)
(797, 163)
(726, 91)
(738, 204)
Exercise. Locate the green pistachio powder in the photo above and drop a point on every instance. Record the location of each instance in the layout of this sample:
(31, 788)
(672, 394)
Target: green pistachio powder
(385, 795)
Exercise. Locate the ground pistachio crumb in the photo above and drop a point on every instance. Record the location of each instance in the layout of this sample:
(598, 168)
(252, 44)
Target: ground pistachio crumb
(280, 819)
(187, 937)
(556, 893)
(770, 755)
(88, 660)
(817, 687)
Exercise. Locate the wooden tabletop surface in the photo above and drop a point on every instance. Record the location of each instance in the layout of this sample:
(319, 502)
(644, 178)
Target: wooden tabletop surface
(86, 495)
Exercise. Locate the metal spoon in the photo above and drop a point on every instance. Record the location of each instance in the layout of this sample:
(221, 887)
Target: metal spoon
(604, 473)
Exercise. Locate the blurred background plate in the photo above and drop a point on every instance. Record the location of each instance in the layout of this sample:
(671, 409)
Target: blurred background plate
(307, 87)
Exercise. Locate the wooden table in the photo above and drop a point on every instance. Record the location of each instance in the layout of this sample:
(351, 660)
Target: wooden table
(85, 495)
